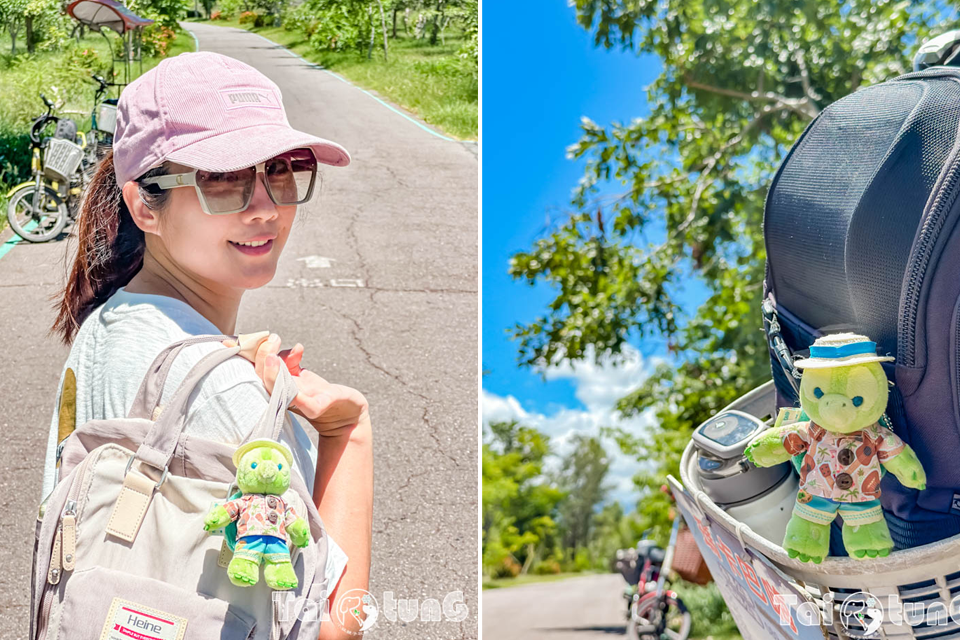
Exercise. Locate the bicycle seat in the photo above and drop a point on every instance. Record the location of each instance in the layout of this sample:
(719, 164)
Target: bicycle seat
(649, 549)
(657, 555)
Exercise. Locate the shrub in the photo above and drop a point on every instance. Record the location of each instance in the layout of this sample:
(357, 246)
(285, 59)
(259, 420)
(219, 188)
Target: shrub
(581, 560)
(216, 15)
(333, 35)
(15, 154)
(166, 12)
(248, 17)
(546, 567)
(230, 8)
(508, 568)
(301, 18)
(157, 39)
(707, 609)
(83, 61)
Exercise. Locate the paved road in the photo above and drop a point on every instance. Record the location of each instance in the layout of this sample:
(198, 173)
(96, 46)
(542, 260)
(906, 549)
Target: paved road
(584, 608)
(402, 220)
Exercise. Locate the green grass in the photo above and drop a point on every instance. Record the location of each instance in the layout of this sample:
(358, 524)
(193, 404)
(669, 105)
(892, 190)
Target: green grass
(427, 80)
(733, 635)
(60, 75)
(501, 583)
(711, 618)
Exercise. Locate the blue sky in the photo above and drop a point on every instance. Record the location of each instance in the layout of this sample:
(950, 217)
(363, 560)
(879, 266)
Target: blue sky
(538, 82)
(536, 88)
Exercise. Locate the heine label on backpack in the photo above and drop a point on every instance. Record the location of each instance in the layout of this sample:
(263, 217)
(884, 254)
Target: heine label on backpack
(128, 620)
(955, 503)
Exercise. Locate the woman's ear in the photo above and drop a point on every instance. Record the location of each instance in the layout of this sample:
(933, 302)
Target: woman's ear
(143, 216)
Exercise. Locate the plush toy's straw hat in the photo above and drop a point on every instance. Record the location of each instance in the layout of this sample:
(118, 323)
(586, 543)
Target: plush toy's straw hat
(262, 442)
(841, 350)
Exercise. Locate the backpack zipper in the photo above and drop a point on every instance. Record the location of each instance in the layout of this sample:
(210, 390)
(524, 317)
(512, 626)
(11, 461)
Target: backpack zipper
(69, 511)
(931, 228)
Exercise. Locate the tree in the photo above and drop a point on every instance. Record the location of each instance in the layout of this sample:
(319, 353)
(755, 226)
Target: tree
(611, 530)
(12, 14)
(740, 82)
(518, 506)
(581, 477)
(166, 12)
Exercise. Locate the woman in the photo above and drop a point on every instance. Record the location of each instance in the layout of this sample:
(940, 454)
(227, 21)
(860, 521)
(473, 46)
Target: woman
(157, 263)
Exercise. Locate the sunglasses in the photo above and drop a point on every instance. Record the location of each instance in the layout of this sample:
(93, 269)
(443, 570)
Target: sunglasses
(289, 178)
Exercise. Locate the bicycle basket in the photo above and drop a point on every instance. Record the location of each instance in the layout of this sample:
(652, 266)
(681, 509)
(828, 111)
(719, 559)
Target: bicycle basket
(61, 159)
(107, 118)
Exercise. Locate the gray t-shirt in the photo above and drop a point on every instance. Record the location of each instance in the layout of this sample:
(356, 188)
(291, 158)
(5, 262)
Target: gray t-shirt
(116, 345)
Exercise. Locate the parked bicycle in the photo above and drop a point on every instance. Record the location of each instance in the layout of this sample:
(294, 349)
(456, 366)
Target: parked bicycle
(62, 165)
(653, 611)
(103, 118)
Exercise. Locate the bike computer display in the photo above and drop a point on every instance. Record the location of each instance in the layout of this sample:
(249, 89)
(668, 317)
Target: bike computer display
(727, 434)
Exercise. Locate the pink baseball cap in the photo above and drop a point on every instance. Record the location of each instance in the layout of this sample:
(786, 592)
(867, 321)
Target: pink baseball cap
(210, 112)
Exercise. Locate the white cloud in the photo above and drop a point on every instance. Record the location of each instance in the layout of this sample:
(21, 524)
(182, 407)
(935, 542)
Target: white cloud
(597, 386)
(600, 385)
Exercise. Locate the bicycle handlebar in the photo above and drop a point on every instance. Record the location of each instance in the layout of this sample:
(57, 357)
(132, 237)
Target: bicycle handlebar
(40, 123)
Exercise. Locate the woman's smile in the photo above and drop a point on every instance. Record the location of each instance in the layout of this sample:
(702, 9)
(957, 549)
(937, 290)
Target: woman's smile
(253, 247)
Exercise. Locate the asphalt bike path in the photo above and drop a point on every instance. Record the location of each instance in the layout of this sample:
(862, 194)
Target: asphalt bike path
(379, 282)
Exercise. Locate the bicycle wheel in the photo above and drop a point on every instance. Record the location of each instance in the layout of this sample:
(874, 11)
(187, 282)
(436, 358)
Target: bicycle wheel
(647, 616)
(36, 226)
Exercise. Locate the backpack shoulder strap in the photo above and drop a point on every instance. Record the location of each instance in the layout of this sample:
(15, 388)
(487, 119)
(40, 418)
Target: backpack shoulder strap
(151, 388)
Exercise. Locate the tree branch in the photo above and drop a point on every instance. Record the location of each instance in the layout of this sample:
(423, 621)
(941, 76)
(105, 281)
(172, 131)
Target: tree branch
(805, 81)
(712, 163)
(803, 107)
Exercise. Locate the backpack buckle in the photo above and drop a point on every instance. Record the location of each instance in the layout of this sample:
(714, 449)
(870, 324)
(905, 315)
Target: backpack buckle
(132, 503)
(163, 476)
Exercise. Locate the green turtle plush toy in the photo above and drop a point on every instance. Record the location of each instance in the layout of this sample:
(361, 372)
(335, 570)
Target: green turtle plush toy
(844, 450)
(263, 518)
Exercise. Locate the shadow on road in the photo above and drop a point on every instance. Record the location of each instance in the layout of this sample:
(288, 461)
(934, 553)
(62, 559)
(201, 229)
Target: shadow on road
(614, 630)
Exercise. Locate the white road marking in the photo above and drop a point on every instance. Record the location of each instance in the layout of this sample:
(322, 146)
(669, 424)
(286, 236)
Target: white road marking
(317, 283)
(317, 262)
(346, 282)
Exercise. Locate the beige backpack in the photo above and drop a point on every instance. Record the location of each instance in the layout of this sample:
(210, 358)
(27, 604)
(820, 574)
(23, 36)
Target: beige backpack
(120, 550)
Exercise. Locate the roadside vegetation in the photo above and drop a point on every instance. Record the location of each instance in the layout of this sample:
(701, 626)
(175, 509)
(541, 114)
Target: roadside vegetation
(45, 52)
(548, 517)
(421, 54)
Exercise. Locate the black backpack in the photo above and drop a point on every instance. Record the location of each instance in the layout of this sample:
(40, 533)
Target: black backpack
(861, 233)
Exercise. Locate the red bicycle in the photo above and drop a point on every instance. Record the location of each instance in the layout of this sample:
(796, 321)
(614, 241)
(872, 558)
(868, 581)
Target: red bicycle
(653, 611)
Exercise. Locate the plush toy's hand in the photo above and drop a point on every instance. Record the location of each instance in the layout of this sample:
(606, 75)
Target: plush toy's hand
(908, 469)
(218, 517)
(766, 449)
(299, 532)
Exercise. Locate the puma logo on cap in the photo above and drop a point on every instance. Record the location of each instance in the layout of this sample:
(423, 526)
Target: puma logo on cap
(244, 97)
(240, 97)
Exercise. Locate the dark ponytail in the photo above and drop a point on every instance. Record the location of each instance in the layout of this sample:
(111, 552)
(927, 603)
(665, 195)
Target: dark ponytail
(110, 248)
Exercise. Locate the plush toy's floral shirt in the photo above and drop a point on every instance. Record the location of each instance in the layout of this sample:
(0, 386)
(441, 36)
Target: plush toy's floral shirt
(261, 514)
(844, 467)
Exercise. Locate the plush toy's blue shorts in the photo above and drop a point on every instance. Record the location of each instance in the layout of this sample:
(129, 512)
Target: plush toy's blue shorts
(824, 510)
(270, 548)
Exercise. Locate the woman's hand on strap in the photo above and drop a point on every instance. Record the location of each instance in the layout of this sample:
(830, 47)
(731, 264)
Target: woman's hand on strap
(332, 409)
